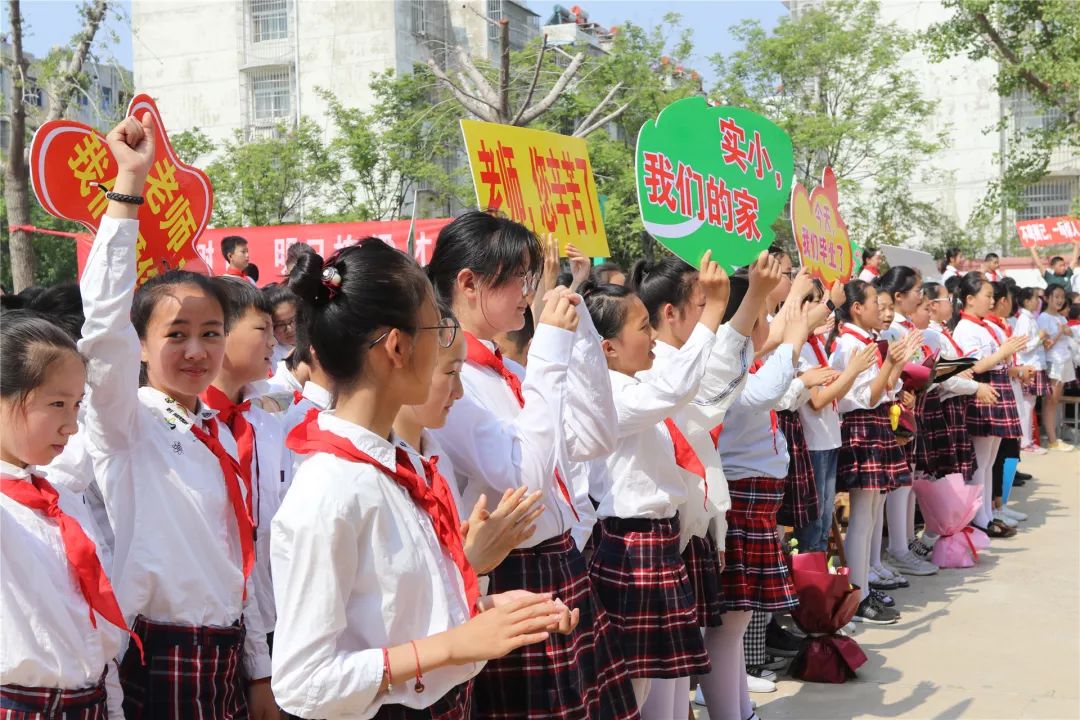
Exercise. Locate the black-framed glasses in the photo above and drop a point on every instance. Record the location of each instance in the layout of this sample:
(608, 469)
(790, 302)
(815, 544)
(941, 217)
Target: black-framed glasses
(285, 324)
(447, 327)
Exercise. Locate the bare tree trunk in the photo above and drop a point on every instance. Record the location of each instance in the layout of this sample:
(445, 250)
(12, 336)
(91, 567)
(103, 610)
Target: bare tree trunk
(16, 175)
(504, 71)
(63, 86)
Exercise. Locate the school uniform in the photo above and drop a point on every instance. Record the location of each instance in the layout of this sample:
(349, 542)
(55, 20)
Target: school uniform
(358, 566)
(932, 447)
(313, 397)
(280, 352)
(183, 538)
(1059, 360)
(800, 505)
(501, 435)
(950, 271)
(637, 568)
(999, 419)
(703, 514)
(1033, 354)
(821, 430)
(55, 648)
(956, 395)
(870, 457)
(755, 457)
(282, 381)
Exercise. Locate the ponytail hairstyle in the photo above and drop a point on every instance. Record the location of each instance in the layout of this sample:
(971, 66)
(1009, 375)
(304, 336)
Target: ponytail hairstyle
(29, 344)
(495, 248)
(607, 306)
(898, 280)
(355, 293)
(931, 290)
(60, 304)
(1023, 296)
(969, 284)
(951, 254)
(668, 281)
(855, 291)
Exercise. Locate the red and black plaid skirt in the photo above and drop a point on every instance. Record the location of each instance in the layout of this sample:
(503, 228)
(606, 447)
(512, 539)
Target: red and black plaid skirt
(642, 583)
(755, 573)
(961, 455)
(703, 566)
(800, 505)
(1000, 419)
(870, 458)
(454, 705)
(34, 703)
(190, 672)
(1038, 385)
(933, 444)
(576, 676)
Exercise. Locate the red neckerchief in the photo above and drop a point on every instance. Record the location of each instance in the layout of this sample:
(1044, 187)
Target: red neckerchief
(715, 435)
(685, 457)
(297, 396)
(872, 270)
(949, 337)
(1001, 324)
(482, 355)
(819, 353)
(80, 550)
(233, 272)
(1072, 323)
(233, 475)
(981, 323)
(865, 340)
(232, 414)
(434, 499)
(774, 425)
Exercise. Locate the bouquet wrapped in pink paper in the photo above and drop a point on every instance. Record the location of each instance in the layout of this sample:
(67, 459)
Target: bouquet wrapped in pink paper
(827, 602)
(948, 505)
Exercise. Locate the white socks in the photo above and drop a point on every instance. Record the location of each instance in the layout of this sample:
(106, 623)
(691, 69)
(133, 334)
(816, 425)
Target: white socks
(896, 506)
(725, 686)
(865, 506)
(667, 699)
(985, 452)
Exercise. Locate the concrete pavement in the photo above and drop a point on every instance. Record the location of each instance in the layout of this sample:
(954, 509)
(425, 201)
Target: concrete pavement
(999, 640)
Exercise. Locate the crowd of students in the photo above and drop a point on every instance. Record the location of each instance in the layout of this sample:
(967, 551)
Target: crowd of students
(376, 490)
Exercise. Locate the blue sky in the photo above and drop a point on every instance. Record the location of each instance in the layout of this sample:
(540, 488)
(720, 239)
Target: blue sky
(53, 22)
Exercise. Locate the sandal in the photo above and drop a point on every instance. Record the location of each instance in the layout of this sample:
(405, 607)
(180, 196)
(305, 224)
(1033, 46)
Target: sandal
(998, 529)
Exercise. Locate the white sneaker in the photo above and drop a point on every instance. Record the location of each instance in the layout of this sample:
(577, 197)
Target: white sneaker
(885, 570)
(1014, 514)
(999, 515)
(911, 564)
(1033, 449)
(759, 685)
(1061, 446)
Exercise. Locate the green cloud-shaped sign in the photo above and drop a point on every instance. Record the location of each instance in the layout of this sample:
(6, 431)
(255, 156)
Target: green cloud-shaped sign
(712, 178)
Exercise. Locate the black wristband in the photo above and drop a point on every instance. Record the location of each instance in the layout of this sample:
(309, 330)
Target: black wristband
(129, 199)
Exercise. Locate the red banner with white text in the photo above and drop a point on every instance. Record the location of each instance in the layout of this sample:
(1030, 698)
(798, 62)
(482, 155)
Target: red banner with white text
(268, 245)
(1048, 231)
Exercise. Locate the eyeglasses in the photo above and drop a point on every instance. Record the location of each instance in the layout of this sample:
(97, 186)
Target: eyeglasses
(285, 324)
(529, 283)
(447, 327)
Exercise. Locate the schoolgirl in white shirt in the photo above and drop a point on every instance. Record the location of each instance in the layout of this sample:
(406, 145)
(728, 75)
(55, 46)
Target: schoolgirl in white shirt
(675, 302)
(870, 459)
(379, 610)
(1033, 355)
(258, 433)
(167, 470)
(637, 569)
(488, 536)
(62, 626)
(949, 266)
(1059, 362)
(506, 433)
(987, 423)
(284, 311)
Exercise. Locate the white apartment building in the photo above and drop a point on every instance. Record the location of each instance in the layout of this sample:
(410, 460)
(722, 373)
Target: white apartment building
(955, 179)
(249, 65)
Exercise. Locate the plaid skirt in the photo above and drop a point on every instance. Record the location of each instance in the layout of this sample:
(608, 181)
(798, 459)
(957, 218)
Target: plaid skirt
(1000, 419)
(576, 676)
(800, 504)
(454, 705)
(755, 573)
(961, 453)
(1038, 385)
(35, 703)
(643, 585)
(933, 446)
(870, 458)
(703, 566)
(190, 672)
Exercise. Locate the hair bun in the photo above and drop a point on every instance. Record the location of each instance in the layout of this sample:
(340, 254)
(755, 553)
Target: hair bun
(306, 280)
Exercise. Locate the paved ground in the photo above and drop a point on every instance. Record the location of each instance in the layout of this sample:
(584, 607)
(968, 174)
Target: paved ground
(999, 640)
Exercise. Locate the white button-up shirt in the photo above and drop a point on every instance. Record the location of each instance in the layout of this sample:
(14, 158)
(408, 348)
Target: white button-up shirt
(748, 446)
(1033, 353)
(357, 567)
(177, 556)
(976, 341)
(1060, 351)
(45, 633)
(316, 397)
(643, 480)
(820, 427)
(858, 397)
(955, 385)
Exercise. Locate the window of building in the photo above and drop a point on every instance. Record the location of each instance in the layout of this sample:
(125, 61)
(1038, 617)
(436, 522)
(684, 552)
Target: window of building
(419, 16)
(106, 98)
(494, 12)
(271, 95)
(5, 134)
(32, 94)
(1050, 197)
(1029, 115)
(269, 20)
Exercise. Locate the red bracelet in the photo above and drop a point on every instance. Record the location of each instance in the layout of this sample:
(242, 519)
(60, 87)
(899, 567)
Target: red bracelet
(419, 687)
(386, 669)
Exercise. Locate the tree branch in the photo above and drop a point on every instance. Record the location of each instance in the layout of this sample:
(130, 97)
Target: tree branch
(582, 132)
(473, 104)
(487, 93)
(596, 110)
(64, 83)
(530, 114)
(535, 78)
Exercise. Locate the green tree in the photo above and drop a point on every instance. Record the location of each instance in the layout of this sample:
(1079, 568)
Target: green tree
(272, 180)
(831, 76)
(1036, 45)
